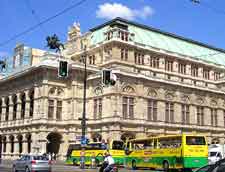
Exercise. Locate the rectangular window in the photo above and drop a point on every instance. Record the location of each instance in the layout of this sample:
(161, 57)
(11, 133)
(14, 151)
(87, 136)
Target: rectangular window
(59, 110)
(182, 68)
(154, 62)
(92, 59)
(206, 73)
(214, 117)
(185, 114)
(169, 65)
(97, 108)
(124, 54)
(123, 35)
(139, 58)
(216, 76)
(152, 110)
(200, 115)
(169, 112)
(194, 70)
(50, 109)
(128, 107)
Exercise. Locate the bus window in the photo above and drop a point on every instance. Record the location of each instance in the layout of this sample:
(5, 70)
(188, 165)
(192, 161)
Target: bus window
(195, 140)
(169, 142)
(155, 144)
(148, 144)
(71, 148)
(117, 145)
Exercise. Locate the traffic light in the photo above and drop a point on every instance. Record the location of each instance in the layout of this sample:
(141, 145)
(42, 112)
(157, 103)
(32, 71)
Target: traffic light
(108, 78)
(63, 69)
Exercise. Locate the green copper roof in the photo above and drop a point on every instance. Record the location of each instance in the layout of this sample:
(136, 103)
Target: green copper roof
(163, 40)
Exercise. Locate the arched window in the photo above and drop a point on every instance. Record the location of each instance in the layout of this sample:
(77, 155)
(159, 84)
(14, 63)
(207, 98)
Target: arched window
(14, 106)
(20, 141)
(12, 143)
(31, 103)
(4, 143)
(6, 109)
(23, 105)
(28, 143)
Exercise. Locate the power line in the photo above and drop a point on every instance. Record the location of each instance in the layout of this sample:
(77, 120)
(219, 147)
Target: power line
(42, 22)
(209, 6)
(34, 14)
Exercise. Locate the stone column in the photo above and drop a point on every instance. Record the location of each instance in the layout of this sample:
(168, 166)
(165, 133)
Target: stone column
(18, 113)
(3, 110)
(27, 106)
(161, 110)
(193, 114)
(16, 147)
(207, 116)
(10, 108)
(24, 145)
(177, 113)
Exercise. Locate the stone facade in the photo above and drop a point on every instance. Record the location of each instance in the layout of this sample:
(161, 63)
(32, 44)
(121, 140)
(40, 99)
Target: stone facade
(157, 92)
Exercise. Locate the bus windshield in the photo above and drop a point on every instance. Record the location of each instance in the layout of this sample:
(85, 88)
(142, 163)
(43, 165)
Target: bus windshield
(195, 140)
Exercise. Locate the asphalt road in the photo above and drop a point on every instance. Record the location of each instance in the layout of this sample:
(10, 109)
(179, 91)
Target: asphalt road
(63, 168)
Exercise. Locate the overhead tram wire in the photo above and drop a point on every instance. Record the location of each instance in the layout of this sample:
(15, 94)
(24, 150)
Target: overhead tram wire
(35, 15)
(42, 22)
(209, 6)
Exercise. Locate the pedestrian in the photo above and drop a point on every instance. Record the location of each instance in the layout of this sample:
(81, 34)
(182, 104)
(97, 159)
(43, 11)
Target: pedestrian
(93, 160)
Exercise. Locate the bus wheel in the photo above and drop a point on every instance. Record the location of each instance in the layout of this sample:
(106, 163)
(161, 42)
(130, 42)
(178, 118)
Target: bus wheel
(74, 162)
(165, 166)
(134, 167)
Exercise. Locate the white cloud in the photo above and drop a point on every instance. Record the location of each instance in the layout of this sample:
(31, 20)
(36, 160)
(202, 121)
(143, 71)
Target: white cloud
(110, 11)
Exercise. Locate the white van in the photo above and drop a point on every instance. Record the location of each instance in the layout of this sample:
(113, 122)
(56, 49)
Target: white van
(216, 153)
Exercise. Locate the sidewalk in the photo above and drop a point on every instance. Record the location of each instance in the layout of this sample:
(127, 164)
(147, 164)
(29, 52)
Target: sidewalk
(8, 163)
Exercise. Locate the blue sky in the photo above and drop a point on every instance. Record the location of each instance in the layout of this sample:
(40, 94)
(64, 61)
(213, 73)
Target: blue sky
(202, 22)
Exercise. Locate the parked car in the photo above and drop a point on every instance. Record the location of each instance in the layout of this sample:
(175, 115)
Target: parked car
(32, 163)
(219, 166)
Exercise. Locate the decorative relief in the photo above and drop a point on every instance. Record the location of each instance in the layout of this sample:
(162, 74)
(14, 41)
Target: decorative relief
(128, 89)
(98, 91)
(213, 102)
(200, 100)
(152, 93)
(169, 95)
(185, 98)
(56, 91)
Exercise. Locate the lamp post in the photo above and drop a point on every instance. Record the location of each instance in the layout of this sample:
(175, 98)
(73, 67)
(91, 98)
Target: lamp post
(83, 119)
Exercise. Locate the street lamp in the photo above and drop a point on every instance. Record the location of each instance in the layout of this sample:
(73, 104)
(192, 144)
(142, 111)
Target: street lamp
(83, 119)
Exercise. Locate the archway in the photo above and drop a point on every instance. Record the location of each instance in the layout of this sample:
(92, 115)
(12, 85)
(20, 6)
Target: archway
(127, 136)
(20, 141)
(11, 138)
(28, 137)
(53, 144)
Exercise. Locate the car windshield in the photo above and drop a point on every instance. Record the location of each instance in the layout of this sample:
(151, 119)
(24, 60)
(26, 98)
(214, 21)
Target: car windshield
(212, 153)
(40, 158)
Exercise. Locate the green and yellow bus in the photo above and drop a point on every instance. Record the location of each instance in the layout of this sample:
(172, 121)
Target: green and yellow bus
(183, 151)
(96, 150)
